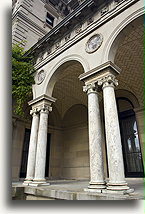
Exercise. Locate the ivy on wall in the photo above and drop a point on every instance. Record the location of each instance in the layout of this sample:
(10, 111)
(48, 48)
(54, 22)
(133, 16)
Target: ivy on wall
(22, 77)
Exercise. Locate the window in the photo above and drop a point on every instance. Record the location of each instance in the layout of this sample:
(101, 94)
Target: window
(130, 138)
(50, 19)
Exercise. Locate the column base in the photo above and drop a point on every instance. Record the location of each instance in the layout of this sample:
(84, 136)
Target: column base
(27, 182)
(121, 187)
(37, 183)
(95, 187)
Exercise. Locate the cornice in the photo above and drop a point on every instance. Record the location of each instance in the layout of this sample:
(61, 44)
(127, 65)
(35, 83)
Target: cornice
(63, 23)
(99, 69)
(107, 12)
(42, 98)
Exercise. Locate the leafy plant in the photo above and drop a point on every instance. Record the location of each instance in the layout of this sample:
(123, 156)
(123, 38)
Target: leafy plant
(22, 77)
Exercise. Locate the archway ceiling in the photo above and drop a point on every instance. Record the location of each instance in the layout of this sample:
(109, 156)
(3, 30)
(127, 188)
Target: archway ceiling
(129, 58)
(68, 90)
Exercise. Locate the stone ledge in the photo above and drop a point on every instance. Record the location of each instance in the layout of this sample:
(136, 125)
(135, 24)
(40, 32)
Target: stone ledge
(73, 190)
(69, 195)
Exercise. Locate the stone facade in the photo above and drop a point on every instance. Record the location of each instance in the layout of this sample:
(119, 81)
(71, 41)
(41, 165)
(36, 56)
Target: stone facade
(97, 48)
(29, 21)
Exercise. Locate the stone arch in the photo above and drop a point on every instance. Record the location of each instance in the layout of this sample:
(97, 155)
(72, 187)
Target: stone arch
(129, 95)
(76, 115)
(125, 49)
(57, 68)
(118, 35)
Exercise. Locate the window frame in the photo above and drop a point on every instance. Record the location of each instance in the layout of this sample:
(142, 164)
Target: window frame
(51, 18)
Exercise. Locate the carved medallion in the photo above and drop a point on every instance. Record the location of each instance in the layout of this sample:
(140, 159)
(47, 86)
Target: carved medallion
(40, 77)
(94, 43)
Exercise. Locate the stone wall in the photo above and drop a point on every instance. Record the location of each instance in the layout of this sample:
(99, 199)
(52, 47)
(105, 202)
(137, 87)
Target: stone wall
(76, 153)
(56, 154)
(29, 21)
(17, 147)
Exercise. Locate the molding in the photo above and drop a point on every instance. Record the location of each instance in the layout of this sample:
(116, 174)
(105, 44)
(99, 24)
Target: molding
(42, 98)
(63, 23)
(99, 69)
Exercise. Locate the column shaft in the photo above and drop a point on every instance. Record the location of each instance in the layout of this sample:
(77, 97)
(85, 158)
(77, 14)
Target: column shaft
(95, 141)
(113, 139)
(41, 148)
(32, 148)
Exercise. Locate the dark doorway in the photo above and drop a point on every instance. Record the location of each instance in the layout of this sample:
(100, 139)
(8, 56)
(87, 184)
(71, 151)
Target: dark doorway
(130, 141)
(25, 154)
(47, 156)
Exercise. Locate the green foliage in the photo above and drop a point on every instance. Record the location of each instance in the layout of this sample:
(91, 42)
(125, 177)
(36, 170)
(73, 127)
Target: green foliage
(22, 77)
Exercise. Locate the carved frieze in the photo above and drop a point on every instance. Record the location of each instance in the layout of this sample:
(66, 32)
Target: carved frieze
(78, 29)
(40, 57)
(104, 10)
(90, 20)
(92, 45)
(48, 51)
(57, 45)
(67, 37)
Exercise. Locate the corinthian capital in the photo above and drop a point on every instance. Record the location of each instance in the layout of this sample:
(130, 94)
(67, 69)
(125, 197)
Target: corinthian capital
(109, 80)
(90, 88)
(45, 108)
(34, 111)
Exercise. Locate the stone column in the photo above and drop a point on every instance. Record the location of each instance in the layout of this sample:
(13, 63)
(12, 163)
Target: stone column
(32, 147)
(113, 139)
(41, 146)
(95, 140)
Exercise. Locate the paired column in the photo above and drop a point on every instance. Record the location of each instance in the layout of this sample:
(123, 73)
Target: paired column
(39, 177)
(32, 146)
(113, 138)
(38, 140)
(95, 140)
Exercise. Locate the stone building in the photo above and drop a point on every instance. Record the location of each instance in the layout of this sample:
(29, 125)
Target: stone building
(87, 106)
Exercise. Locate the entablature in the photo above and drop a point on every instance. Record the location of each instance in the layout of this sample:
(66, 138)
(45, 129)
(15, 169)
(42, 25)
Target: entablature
(75, 27)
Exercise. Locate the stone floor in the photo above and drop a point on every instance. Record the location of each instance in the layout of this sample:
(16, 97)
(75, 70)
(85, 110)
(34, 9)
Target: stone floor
(72, 190)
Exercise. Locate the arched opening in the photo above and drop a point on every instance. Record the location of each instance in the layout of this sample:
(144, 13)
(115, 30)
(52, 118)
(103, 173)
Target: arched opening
(127, 53)
(69, 153)
(130, 138)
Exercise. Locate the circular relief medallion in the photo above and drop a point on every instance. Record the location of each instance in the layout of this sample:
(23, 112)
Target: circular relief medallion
(40, 77)
(94, 43)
